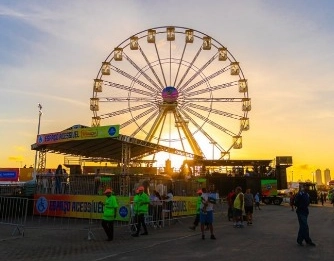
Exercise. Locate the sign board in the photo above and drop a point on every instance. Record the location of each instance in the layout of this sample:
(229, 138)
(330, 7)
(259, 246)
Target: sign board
(79, 134)
(9, 174)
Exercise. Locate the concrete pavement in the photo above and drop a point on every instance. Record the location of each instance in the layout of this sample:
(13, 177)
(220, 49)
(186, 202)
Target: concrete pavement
(272, 237)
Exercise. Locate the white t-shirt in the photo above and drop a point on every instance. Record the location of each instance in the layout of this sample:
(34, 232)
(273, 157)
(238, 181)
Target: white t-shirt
(205, 197)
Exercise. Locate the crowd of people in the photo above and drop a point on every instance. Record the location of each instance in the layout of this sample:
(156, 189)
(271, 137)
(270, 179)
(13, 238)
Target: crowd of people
(55, 182)
(240, 209)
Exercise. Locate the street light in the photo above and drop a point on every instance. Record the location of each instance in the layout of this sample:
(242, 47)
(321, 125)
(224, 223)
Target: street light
(38, 129)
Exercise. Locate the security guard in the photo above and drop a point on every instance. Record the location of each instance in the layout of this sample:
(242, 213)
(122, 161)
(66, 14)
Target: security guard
(109, 214)
(141, 202)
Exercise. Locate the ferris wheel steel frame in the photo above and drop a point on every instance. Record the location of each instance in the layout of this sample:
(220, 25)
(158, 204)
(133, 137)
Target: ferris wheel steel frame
(167, 85)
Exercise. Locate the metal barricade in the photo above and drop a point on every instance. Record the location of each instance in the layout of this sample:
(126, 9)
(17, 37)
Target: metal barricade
(13, 213)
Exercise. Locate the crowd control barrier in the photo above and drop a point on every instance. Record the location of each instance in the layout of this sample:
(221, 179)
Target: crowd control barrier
(13, 215)
(82, 214)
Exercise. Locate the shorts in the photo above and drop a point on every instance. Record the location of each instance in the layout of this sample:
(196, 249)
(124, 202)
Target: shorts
(249, 209)
(206, 218)
(237, 212)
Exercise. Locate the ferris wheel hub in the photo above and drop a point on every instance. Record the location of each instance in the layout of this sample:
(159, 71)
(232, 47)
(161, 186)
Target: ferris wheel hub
(169, 94)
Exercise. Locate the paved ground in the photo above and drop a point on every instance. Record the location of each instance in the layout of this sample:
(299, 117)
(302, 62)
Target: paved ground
(272, 237)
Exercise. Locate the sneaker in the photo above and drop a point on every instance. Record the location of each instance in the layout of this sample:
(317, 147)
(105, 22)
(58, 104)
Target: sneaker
(203, 237)
(300, 243)
(144, 234)
(213, 237)
(311, 243)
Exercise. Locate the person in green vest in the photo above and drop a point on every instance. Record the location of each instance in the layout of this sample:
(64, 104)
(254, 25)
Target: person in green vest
(140, 203)
(198, 209)
(109, 214)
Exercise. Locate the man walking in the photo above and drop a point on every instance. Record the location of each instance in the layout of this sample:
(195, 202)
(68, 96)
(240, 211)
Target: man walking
(109, 214)
(302, 201)
(238, 208)
(206, 214)
(141, 202)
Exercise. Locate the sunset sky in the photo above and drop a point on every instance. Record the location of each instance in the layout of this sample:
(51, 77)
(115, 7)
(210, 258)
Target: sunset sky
(50, 52)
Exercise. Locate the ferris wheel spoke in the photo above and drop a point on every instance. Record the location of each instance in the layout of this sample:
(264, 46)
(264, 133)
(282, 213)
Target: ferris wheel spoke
(201, 130)
(141, 127)
(162, 70)
(190, 66)
(240, 100)
(212, 88)
(132, 78)
(128, 88)
(127, 110)
(206, 79)
(152, 69)
(180, 62)
(157, 88)
(212, 123)
(145, 113)
(127, 99)
(198, 72)
(219, 112)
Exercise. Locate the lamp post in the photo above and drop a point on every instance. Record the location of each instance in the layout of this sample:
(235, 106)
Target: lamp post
(292, 176)
(38, 129)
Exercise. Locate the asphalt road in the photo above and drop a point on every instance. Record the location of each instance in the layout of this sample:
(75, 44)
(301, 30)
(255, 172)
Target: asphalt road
(271, 237)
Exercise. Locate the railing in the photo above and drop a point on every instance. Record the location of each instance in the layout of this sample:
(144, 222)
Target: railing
(13, 214)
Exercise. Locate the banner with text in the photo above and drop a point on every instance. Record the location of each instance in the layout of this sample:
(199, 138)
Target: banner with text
(79, 134)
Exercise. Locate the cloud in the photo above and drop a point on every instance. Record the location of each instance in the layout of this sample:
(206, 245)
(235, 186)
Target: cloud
(16, 158)
(45, 96)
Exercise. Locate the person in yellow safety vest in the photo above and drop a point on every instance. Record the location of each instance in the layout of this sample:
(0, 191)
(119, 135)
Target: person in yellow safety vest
(109, 214)
(238, 208)
(141, 202)
(198, 209)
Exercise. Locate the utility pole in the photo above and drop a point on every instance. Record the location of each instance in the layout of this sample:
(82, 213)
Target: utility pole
(38, 129)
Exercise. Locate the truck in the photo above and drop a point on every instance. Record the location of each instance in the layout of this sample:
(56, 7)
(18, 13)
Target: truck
(311, 190)
(269, 192)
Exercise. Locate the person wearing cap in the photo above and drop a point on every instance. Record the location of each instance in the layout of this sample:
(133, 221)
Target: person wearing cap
(109, 214)
(198, 209)
(141, 202)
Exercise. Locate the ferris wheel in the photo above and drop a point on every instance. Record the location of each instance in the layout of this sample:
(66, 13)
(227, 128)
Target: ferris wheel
(176, 87)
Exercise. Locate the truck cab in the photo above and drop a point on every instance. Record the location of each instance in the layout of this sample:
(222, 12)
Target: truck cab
(311, 190)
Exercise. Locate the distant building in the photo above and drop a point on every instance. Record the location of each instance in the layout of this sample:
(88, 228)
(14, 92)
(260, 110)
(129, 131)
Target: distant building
(327, 176)
(318, 177)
